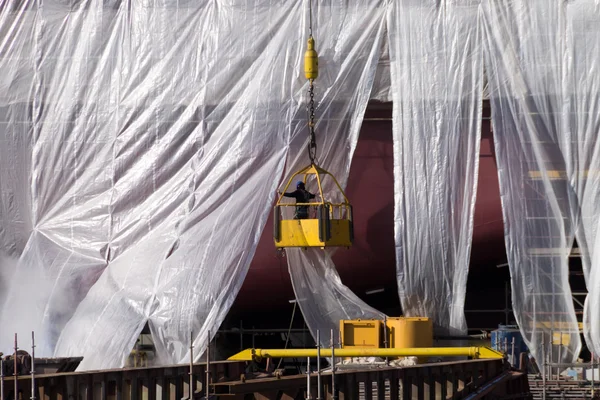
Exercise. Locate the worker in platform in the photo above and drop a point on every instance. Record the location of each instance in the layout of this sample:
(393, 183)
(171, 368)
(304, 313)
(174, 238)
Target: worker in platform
(302, 196)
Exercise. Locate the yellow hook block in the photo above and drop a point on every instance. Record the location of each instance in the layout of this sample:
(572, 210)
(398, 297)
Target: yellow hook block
(311, 61)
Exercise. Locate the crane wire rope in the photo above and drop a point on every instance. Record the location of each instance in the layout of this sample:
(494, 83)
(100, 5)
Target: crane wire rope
(313, 66)
(289, 332)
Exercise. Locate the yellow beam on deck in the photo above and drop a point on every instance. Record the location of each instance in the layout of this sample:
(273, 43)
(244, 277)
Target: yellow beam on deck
(475, 352)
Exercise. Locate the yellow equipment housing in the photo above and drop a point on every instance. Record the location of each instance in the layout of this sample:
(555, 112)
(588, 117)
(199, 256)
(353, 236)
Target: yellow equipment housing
(402, 333)
(361, 333)
(332, 226)
(408, 332)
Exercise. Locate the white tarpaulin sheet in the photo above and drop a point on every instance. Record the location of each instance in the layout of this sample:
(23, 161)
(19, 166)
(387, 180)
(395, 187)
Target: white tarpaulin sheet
(146, 147)
(541, 137)
(582, 86)
(142, 146)
(544, 81)
(142, 143)
(436, 65)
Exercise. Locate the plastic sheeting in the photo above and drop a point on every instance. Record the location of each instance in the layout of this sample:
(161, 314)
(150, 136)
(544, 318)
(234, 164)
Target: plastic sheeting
(538, 100)
(156, 132)
(349, 40)
(151, 163)
(436, 65)
(141, 144)
(582, 42)
(323, 298)
(16, 82)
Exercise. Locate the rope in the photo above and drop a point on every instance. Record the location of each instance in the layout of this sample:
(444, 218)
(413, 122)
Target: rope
(287, 339)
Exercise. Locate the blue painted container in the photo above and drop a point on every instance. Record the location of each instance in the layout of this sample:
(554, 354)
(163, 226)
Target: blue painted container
(502, 339)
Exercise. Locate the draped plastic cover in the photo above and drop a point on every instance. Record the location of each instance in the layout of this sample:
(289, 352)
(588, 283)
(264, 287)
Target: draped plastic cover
(436, 66)
(142, 143)
(349, 42)
(323, 298)
(542, 60)
(583, 90)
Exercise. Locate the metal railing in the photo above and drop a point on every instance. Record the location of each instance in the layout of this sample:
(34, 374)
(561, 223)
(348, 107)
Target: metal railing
(343, 209)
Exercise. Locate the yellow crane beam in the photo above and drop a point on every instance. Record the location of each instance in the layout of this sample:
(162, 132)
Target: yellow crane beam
(474, 352)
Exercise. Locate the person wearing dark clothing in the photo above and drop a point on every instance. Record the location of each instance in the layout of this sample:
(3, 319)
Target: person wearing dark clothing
(302, 196)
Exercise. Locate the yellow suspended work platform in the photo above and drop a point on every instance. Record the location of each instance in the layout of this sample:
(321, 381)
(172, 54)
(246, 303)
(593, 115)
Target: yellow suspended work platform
(474, 352)
(320, 223)
(315, 223)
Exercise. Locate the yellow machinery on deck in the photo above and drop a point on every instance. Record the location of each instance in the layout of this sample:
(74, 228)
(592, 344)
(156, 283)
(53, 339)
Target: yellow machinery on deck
(395, 332)
(330, 225)
(357, 333)
(392, 333)
(407, 332)
(363, 338)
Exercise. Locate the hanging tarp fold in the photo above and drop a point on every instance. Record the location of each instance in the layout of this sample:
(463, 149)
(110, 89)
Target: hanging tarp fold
(436, 66)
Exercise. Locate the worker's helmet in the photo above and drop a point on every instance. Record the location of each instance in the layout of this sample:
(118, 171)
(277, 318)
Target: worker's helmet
(300, 185)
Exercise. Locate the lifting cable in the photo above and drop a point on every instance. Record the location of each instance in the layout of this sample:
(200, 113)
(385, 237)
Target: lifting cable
(311, 71)
(289, 332)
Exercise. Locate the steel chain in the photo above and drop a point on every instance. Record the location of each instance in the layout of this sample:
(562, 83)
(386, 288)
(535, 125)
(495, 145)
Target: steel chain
(312, 145)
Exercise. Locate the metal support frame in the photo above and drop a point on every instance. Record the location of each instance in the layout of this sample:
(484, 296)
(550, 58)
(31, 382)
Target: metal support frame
(593, 373)
(308, 395)
(543, 368)
(512, 352)
(1, 376)
(318, 365)
(507, 309)
(207, 365)
(124, 383)
(191, 394)
(16, 371)
(385, 338)
(333, 366)
(462, 379)
(32, 366)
